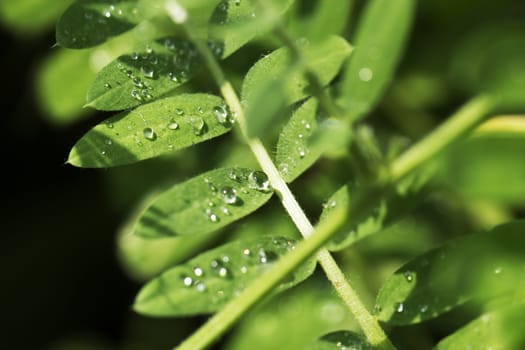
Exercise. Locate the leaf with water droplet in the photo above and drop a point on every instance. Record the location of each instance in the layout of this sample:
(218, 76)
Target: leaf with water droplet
(274, 80)
(294, 154)
(151, 71)
(185, 208)
(472, 268)
(148, 131)
(380, 39)
(224, 272)
(496, 329)
(234, 23)
(341, 340)
(88, 23)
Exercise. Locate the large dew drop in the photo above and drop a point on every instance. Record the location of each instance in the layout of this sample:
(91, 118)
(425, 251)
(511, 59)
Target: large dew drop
(149, 134)
(229, 195)
(221, 114)
(258, 180)
(198, 125)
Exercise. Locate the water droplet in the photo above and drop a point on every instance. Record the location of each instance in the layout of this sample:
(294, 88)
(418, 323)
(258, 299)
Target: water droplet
(284, 168)
(172, 125)
(237, 2)
(198, 125)
(211, 215)
(219, 268)
(366, 74)
(306, 125)
(200, 287)
(109, 142)
(148, 72)
(225, 259)
(302, 151)
(246, 252)
(136, 95)
(149, 134)
(154, 60)
(259, 181)
(266, 256)
(103, 152)
(179, 111)
(498, 270)
(107, 85)
(134, 56)
(225, 211)
(149, 49)
(137, 82)
(229, 195)
(330, 204)
(197, 271)
(187, 281)
(409, 276)
(109, 125)
(244, 269)
(400, 307)
(221, 114)
(423, 308)
(200, 110)
(107, 13)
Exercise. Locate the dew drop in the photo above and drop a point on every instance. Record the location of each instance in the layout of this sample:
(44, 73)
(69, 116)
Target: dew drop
(148, 72)
(154, 60)
(225, 259)
(198, 125)
(109, 142)
(136, 95)
(225, 211)
(409, 276)
(200, 287)
(107, 14)
(173, 77)
(200, 110)
(197, 271)
(109, 125)
(134, 56)
(172, 125)
(284, 168)
(244, 269)
(423, 308)
(266, 256)
(137, 82)
(103, 152)
(149, 49)
(107, 85)
(246, 252)
(259, 181)
(498, 270)
(179, 111)
(149, 134)
(229, 195)
(302, 151)
(211, 215)
(221, 114)
(400, 307)
(187, 281)
(366, 74)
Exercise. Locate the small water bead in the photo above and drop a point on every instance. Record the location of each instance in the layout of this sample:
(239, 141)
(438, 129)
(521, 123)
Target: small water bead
(498, 270)
(107, 13)
(409, 276)
(197, 271)
(266, 256)
(109, 125)
(187, 281)
(107, 85)
(172, 125)
(423, 308)
(154, 60)
(225, 259)
(136, 95)
(198, 125)
(400, 307)
(366, 74)
(173, 77)
(302, 152)
(103, 152)
(149, 49)
(200, 287)
(148, 72)
(108, 142)
(145, 94)
(200, 110)
(259, 181)
(246, 252)
(149, 134)
(225, 211)
(211, 215)
(221, 114)
(284, 168)
(179, 111)
(137, 82)
(243, 269)
(134, 56)
(229, 195)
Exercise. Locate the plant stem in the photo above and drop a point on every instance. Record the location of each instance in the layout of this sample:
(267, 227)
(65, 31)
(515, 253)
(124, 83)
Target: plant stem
(461, 122)
(371, 328)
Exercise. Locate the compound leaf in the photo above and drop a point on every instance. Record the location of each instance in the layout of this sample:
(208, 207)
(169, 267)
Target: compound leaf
(152, 130)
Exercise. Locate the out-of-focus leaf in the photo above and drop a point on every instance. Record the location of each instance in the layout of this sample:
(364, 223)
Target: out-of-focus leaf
(31, 17)
(494, 330)
(87, 23)
(234, 23)
(294, 155)
(206, 283)
(488, 166)
(62, 84)
(292, 320)
(205, 203)
(151, 130)
(490, 59)
(379, 41)
(274, 78)
(150, 72)
(341, 340)
(326, 17)
(470, 268)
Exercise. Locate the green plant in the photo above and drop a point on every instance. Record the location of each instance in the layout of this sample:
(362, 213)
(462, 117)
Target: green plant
(312, 98)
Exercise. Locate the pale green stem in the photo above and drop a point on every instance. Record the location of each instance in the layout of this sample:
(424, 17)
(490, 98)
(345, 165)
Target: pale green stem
(371, 328)
(460, 123)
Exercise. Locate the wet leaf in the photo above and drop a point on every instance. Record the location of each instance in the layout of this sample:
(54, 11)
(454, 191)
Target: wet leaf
(206, 283)
(341, 340)
(151, 130)
(205, 203)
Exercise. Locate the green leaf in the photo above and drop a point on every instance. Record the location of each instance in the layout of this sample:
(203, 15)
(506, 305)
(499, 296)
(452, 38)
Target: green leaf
(275, 80)
(151, 130)
(61, 86)
(205, 203)
(479, 168)
(474, 268)
(294, 155)
(31, 17)
(150, 72)
(494, 330)
(379, 41)
(234, 23)
(324, 18)
(341, 340)
(87, 23)
(292, 320)
(206, 283)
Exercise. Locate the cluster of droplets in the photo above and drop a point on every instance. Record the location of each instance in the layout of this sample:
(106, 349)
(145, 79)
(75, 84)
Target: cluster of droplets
(301, 147)
(101, 17)
(183, 62)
